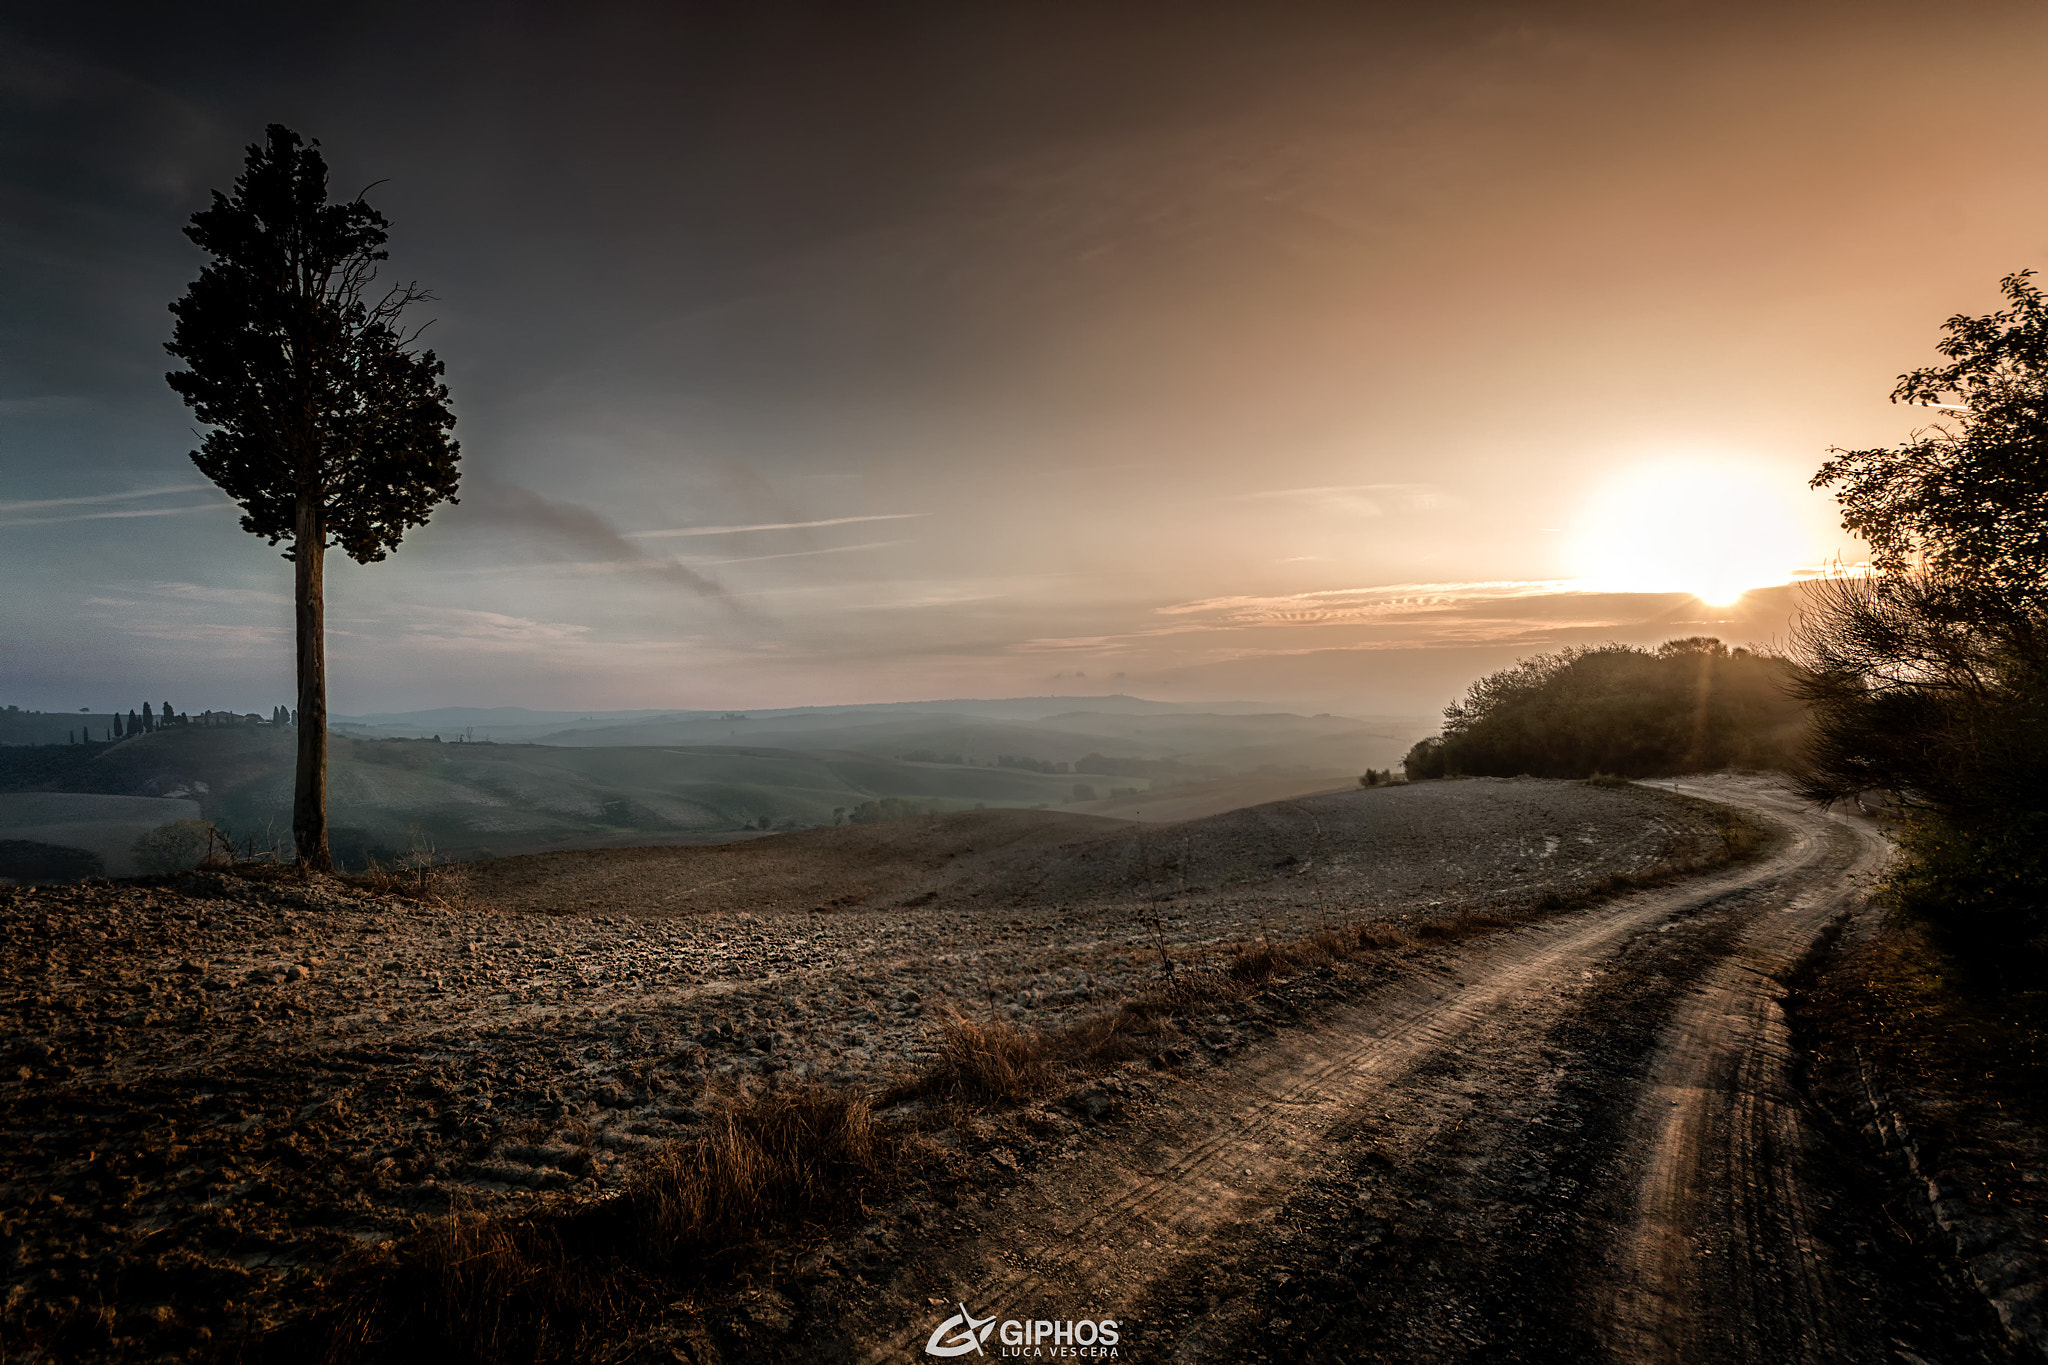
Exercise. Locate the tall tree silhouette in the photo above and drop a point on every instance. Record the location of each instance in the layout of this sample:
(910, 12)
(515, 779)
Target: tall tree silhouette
(329, 424)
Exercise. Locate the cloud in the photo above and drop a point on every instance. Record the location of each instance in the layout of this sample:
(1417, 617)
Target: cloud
(114, 516)
(211, 633)
(487, 629)
(1357, 499)
(769, 526)
(129, 496)
(567, 524)
(101, 499)
(199, 592)
(1336, 605)
(805, 554)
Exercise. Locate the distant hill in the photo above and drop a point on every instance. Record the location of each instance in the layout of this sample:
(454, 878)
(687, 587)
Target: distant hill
(51, 727)
(648, 777)
(518, 723)
(1214, 739)
(472, 799)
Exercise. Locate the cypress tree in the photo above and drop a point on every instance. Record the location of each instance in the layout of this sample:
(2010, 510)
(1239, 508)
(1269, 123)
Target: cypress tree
(328, 423)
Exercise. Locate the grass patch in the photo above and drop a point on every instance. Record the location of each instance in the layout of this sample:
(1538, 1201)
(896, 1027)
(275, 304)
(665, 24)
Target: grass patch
(986, 1062)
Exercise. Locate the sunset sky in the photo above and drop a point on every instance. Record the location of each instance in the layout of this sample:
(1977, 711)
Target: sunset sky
(1325, 355)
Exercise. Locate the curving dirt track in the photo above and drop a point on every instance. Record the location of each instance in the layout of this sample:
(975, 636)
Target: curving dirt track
(1579, 1140)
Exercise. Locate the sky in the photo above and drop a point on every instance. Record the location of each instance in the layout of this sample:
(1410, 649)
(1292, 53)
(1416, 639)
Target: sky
(1326, 355)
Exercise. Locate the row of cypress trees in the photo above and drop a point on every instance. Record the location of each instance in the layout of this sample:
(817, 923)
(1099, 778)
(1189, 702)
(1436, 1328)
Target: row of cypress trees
(149, 720)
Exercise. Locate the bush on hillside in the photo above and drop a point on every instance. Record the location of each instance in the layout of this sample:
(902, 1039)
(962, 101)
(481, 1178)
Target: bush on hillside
(1937, 692)
(1689, 705)
(887, 808)
(178, 846)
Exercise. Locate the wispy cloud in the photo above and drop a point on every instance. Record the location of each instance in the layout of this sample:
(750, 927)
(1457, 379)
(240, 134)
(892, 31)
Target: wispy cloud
(1356, 499)
(1420, 615)
(1333, 605)
(564, 523)
(487, 629)
(98, 498)
(214, 634)
(768, 526)
(805, 554)
(200, 592)
(116, 515)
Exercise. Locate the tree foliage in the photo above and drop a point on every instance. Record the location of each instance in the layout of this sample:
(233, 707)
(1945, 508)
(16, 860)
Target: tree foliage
(1687, 706)
(1929, 680)
(310, 387)
(1910, 695)
(1968, 496)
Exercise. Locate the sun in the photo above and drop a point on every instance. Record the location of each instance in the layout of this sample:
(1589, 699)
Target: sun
(1714, 530)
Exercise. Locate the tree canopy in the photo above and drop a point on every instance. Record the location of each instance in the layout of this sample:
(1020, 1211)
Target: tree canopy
(1968, 496)
(1687, 706)
(309, 385)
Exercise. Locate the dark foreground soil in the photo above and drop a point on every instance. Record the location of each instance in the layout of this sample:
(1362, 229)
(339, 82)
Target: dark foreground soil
(219, 1087)
(1938, 1084)
(1579, 1139)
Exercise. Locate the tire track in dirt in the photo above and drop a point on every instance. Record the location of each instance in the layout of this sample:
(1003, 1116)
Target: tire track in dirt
(1721, 1259)
(1124, 1226)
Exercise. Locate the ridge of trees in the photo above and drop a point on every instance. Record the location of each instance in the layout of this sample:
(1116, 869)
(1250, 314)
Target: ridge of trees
(1690, 705)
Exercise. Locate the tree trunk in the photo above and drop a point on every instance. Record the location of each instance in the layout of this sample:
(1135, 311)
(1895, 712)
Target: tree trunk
(309, 790)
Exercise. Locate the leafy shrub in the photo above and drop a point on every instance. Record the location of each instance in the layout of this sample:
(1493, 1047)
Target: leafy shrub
(178, 846)
(1424, 760)
(1983, 887)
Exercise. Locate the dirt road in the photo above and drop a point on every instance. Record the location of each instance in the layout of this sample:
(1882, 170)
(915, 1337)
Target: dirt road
(1579, 1140)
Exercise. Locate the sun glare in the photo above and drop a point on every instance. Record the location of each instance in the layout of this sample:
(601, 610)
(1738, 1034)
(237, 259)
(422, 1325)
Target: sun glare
(1712, 530)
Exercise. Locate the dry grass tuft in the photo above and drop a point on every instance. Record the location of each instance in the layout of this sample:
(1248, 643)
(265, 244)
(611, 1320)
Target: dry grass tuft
(987, 1061)
(1186, 993)
(1380, 934)
(1252, 963)
(1460, 927)
(764, 1162)
(436, 884)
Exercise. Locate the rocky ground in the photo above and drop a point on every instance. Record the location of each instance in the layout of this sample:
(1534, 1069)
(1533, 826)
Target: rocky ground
(217, 1086)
